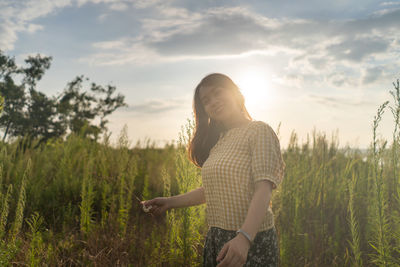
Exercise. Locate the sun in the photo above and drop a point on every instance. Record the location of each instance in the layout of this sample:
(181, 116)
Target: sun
(255, 87)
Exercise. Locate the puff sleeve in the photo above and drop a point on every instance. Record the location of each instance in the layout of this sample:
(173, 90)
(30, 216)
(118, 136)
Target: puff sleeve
(266, 157)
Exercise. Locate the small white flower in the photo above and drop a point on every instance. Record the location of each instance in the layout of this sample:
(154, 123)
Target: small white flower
(147, 209)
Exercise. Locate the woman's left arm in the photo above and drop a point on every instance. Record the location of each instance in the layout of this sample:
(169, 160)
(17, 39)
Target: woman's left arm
(258, 207)
(234, 252)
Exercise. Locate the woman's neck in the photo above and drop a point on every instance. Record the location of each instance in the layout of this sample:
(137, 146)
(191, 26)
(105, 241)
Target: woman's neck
(235, 122)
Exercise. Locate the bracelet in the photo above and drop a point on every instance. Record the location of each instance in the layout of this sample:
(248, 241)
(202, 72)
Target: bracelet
(245, 234)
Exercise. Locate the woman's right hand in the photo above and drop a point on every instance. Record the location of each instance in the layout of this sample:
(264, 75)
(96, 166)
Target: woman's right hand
(158, 205)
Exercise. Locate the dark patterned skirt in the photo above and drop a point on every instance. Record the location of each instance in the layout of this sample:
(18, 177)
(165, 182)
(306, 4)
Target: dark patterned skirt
(263, 252)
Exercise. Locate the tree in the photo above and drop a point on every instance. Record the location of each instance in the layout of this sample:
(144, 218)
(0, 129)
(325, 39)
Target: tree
(14, 95)
(34, 114)
(78, 108)
(42, 118)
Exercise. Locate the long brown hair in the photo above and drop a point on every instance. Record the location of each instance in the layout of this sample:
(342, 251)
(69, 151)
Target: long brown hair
(207, 130)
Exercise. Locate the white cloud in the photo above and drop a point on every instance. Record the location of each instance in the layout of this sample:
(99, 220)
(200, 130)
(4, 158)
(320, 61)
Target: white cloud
(32, 28)
(341, 79)
(336, 102)
(176, 33)
(156, 105)
(371, 74)
(8, 35)
(103, 17)
(134, 52)
(357, 49)
(378, 74)
(390, 3)
(110, 2)
(15, 16)
(119, 6)
(117, 44)
(386, 11)
(150, 3)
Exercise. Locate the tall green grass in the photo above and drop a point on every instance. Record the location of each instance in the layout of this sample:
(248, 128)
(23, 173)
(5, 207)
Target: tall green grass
(354, 254)
(186, 225)
(340, 207)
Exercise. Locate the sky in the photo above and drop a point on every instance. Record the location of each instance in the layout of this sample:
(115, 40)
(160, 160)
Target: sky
(306, 65)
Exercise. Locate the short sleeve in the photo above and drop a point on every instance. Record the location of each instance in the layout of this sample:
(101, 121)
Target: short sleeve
(266, 157)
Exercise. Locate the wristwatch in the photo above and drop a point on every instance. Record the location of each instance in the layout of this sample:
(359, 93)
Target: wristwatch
(245, 234)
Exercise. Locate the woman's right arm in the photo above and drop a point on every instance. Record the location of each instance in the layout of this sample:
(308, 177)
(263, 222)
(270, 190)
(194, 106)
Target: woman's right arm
(192, 198)
(160, 204)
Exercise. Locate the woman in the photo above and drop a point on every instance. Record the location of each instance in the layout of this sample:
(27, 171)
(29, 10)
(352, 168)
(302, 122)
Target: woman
(241, 164)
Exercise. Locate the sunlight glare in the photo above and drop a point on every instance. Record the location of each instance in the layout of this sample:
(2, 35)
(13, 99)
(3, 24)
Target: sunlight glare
(256, 89)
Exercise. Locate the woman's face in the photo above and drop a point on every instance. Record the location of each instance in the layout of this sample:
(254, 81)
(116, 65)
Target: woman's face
(219, 103)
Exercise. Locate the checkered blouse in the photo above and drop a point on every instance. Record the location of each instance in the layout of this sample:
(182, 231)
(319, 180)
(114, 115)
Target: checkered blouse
(242, 156)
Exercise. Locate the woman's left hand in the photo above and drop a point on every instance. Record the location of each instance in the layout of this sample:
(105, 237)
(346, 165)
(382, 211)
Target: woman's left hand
(234, 252)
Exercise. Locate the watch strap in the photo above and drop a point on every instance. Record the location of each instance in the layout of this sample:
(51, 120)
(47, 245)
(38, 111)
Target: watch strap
(245, 234)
